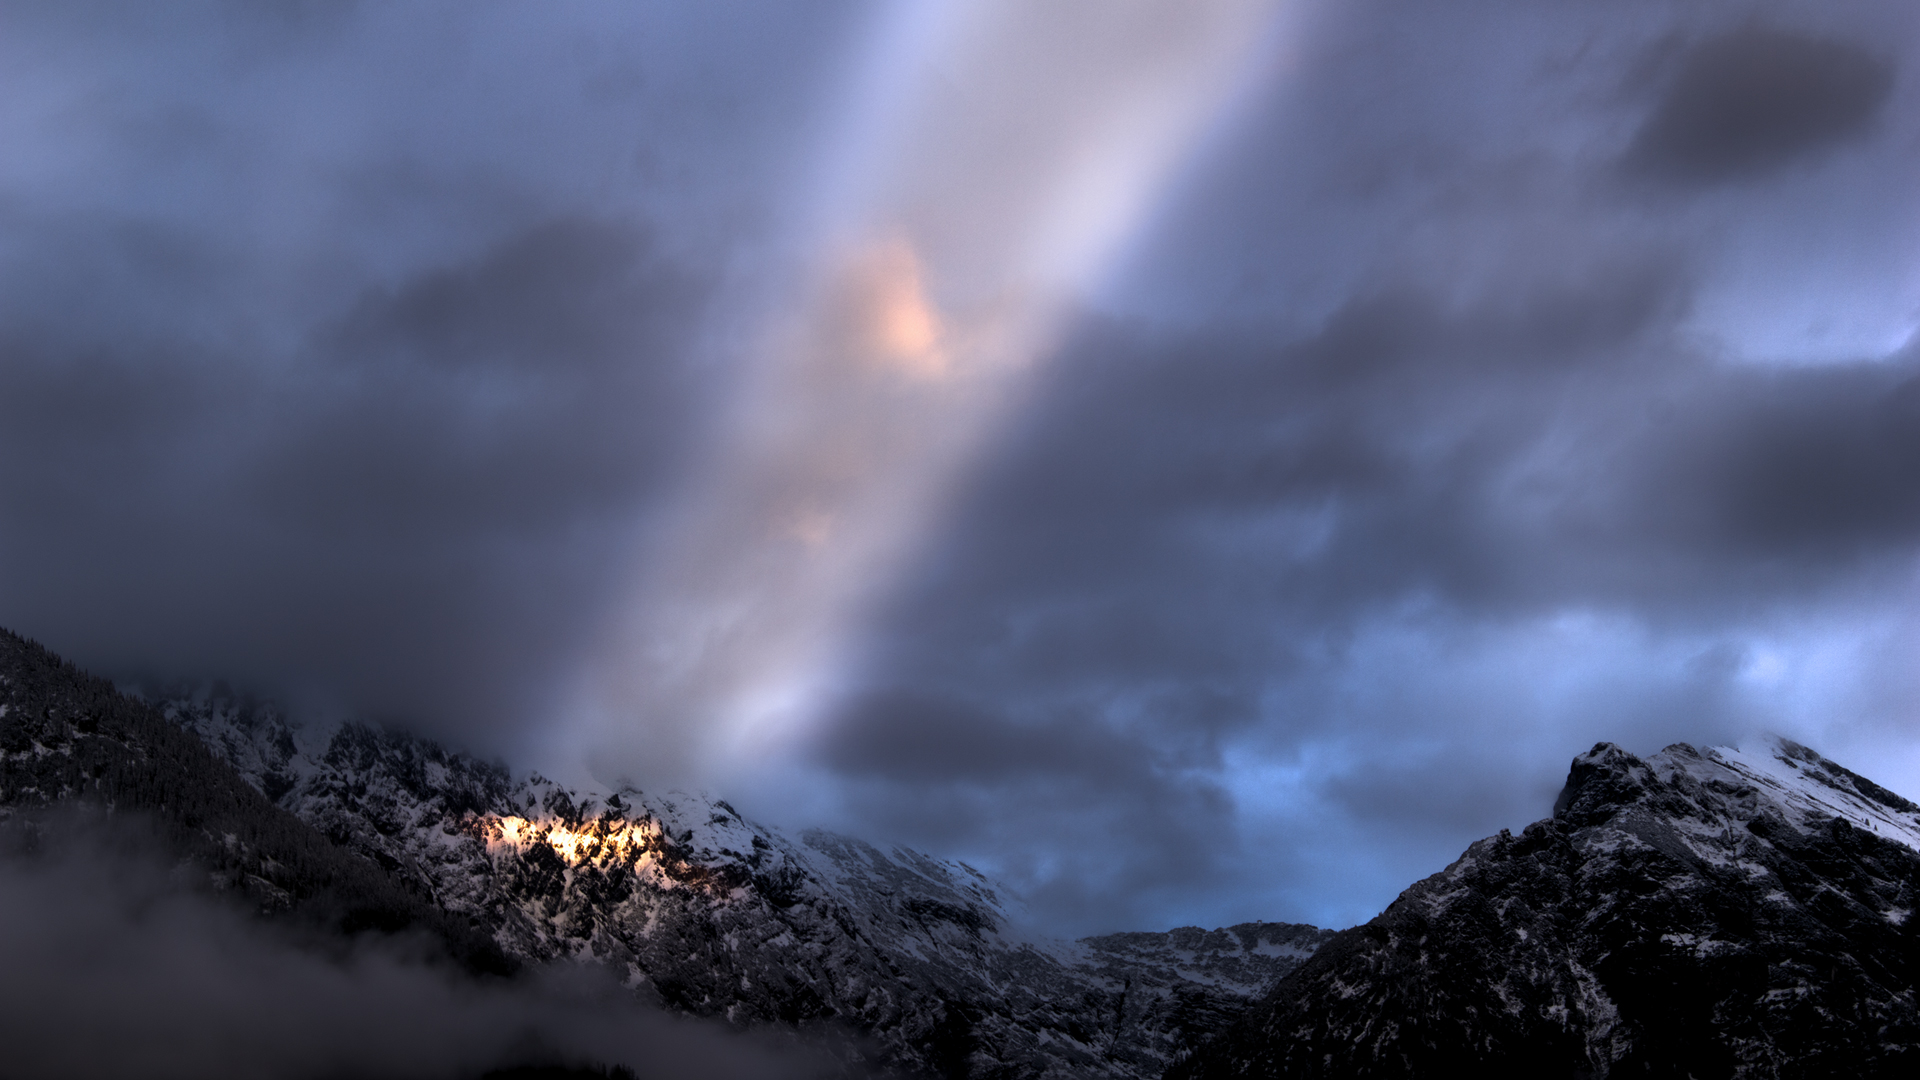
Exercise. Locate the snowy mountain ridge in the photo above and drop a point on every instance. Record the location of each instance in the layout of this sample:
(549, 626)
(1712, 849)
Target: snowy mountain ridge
(1722, 912)
(706, 912)
(1808, 789)
(1718, 912)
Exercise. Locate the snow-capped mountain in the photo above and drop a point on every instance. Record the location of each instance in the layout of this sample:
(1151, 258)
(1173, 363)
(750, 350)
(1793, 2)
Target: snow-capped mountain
(708, 913)
(1704, 913)
(1716, 912)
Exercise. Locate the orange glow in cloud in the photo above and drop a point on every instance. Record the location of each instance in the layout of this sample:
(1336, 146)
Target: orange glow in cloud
(810, 525)
(902, 326)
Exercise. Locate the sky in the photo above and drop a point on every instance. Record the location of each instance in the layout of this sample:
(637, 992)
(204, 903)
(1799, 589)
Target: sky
(1198, 462)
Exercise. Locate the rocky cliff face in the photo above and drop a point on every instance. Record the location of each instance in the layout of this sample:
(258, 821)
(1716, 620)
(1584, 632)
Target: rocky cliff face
(1699, 913)
(711, 914)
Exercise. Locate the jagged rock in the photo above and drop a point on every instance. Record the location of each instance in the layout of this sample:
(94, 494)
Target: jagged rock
(1699, 913)
(708, 913)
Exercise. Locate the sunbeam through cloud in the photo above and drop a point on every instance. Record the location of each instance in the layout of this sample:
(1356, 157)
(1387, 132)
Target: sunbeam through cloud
(1018, 147)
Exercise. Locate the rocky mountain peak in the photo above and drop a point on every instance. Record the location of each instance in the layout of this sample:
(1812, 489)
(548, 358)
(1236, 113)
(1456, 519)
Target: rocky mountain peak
(1698, 912)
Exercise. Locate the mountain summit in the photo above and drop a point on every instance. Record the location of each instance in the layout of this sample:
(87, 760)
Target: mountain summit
(1700, 912)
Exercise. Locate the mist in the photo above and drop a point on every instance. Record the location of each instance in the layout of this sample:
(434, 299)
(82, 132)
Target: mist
(119, 965)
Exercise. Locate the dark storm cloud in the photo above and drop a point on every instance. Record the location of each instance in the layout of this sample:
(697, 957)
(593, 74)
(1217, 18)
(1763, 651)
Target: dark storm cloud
(546, 378)
(1192, 532)
(115, 969)
(1393, 447)
(1752, 101)
(1465, 462)
(901, 736)
(966, 773)
(1820, 467)
(1427, 439)
(414, 511)
(352, 350)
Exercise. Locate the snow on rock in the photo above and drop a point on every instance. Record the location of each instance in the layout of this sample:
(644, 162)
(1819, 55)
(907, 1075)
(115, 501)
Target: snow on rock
(1810, 790)
(709, 913)
(1702, 912)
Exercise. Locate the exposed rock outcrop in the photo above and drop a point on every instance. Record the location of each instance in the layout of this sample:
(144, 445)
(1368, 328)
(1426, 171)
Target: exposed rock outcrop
(1702, 913)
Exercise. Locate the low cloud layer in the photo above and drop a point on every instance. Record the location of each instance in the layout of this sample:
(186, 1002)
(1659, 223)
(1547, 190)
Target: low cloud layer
(117, 968)
(410, 510)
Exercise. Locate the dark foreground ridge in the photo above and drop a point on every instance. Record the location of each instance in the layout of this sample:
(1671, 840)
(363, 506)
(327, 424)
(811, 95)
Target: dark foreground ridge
(1693, 914)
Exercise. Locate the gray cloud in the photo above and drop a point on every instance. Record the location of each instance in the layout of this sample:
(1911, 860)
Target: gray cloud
(1749, 102)
(1367, 577)
(1185, 539)
(350, 352)
(1821, 467)
(439, 475)
(1173, 556)
(1042, 795)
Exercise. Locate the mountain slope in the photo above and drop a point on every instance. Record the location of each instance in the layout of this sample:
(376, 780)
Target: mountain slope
(67, 738)
(711, 914)
(1698, 913)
